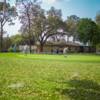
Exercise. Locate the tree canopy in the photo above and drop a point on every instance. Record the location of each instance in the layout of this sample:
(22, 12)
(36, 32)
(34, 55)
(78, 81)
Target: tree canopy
(88, 31)
(28, 12)
(47, 24)
(71, 27)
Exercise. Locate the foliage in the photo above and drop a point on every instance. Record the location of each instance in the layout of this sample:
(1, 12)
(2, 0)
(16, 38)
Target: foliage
(2, 4)
(17, 39)
(28, 12)
(97, 19)
(47, 24)
(7, 42)
(95, 38)
(18, 50)
(12, 50)
(98, 46)
(70, 27)
(25, 38)
(88, 31)
(74, 18)
(6, 15)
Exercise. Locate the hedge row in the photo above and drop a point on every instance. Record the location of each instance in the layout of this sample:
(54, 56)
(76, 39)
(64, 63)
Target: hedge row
(12, 50)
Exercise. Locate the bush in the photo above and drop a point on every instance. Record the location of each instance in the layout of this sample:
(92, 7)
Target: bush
(11, 50)
(18, 50)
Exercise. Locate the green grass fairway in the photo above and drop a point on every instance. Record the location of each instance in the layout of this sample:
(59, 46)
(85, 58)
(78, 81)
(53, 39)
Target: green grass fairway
(49, 77)
(79, 57)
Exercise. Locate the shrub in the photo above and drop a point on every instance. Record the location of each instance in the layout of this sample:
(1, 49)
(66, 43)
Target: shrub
(18, 50)
(11, 50)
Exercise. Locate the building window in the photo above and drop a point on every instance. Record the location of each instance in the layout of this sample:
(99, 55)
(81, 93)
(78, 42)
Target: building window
(69, 48)
(76, 48)
(60, 47)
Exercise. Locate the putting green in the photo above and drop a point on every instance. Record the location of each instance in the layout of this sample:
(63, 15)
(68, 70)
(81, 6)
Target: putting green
(74, 57)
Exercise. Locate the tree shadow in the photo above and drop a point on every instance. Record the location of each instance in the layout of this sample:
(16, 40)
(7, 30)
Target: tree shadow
(81, 89)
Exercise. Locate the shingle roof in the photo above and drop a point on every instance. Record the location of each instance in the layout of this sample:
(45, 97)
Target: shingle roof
(61, 44)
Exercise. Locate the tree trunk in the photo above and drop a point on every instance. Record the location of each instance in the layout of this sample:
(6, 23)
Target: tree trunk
(41, 47)
(1, 38)
(91, 49)
(29, 37)
(30, 48)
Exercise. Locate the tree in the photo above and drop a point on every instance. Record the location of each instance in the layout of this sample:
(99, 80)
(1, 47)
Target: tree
(53, 38)
(7, 42)
(6, 15)
(71, 26)
(47, 24)
(83, 30)
(28, 12)
(88, 31)
(58, 37)
(18, 40)
(97, 19)
(95, 36)
(62, 39)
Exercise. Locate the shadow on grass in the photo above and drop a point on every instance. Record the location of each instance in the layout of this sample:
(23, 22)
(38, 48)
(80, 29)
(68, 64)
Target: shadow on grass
(81, 90)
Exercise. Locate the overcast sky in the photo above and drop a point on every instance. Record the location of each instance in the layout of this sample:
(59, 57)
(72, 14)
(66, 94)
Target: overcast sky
(81, 8)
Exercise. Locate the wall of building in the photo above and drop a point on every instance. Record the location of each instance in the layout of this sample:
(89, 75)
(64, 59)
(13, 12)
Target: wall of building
(71, 49)
(53, 48)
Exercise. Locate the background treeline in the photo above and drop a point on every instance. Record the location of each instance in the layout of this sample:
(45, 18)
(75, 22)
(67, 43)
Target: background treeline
(9, 42)
(39, 25)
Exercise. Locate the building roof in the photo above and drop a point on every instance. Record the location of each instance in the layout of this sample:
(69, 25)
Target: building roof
(61, 44)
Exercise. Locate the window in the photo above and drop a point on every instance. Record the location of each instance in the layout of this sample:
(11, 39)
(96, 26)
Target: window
(76, 48)
(69, 48)
(61, 47)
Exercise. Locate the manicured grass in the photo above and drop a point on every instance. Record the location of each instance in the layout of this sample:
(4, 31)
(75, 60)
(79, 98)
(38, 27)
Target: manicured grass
(49, 77)
(73, 57)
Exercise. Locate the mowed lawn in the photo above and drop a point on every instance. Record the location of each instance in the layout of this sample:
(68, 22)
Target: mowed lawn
(49, 77)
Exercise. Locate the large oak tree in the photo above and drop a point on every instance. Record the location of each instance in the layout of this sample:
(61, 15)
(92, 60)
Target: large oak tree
(47, 24)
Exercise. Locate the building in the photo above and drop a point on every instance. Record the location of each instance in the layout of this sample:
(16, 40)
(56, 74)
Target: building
(72, 47)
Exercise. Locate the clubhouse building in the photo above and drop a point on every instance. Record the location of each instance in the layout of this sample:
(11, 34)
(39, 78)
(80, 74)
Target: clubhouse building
(72, 47)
